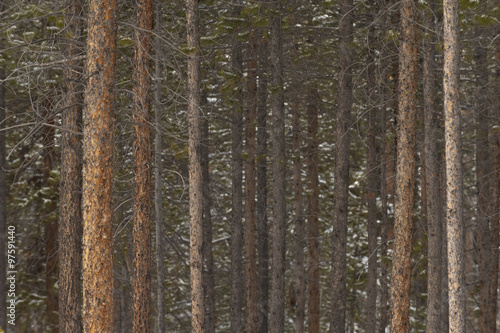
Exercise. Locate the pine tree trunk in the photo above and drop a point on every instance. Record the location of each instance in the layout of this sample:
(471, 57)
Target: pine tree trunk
(385, 149)
(195, 172)
(341, 173)
(277, 301)
(405, 170)
(141, 237)
(384, 229)
(434, 232)
(262, 239)
(453, 153)
(313, 273)
(70, 214)
(251, 229)
(372, 152)
(98, 168)
(237, 188)
(160, 267)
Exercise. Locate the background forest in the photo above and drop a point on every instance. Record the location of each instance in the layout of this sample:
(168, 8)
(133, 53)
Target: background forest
(340, 90)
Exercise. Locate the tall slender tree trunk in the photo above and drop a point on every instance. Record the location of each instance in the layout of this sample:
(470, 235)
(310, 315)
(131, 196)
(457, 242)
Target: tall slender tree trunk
(484, 193)
(372, 152)
(160, 267)
(453, 153)
(434, 232)
(341, 173)
(385, 148)
(195, 171)
(208, 274)
(141, 237)
(237, 188)
(444, 248)
(277, 302)
(70, 214)
(262, 239)
(98, 168)
(405, 170)
(313, 258)
(251, 229)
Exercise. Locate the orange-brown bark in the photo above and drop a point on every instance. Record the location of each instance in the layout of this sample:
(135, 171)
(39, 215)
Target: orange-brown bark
(98, 168)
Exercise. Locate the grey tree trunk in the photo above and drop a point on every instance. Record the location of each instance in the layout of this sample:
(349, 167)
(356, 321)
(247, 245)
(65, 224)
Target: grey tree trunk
(453, 153)
(70, 214)
(434, 231)
(237, 189)
(262, 240)
(277, 301)
(195, 170)
(341, 173)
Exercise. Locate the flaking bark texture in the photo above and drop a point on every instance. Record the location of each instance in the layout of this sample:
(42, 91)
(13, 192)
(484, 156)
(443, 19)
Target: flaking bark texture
(141, 237)
(277, 301)
(454, 186)
(70, 213)
(313, 237)
(434, 231)
(98, 168)
(237, 188)
(405, 170)
(262, 239)
(341, 173)
(195, 172)
(251, 228)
